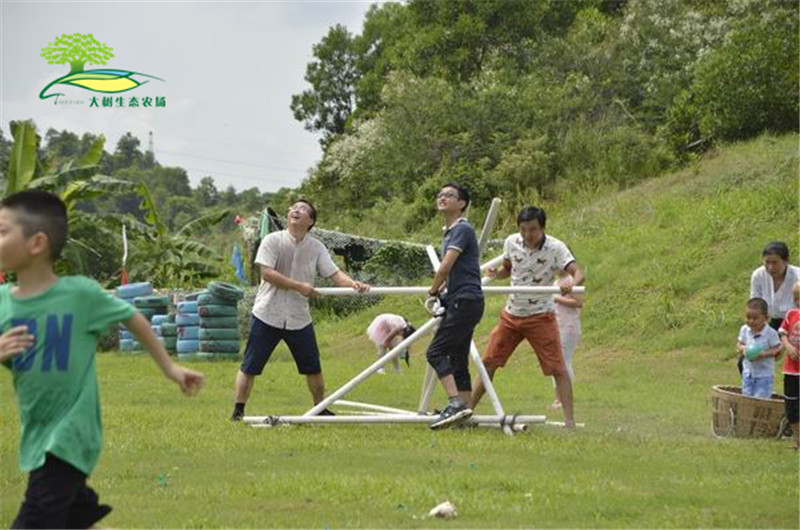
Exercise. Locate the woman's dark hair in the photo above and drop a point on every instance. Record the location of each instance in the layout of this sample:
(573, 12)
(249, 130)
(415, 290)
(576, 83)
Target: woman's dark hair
(776, 248)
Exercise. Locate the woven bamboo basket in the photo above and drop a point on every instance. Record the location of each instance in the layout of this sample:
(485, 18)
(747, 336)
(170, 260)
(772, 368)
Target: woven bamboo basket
(738, 416)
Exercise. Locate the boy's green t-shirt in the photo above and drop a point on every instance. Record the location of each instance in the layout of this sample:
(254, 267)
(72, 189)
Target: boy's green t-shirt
(56, 380)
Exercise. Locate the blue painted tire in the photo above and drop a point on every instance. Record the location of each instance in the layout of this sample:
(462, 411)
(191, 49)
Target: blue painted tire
(187, 346)
(132, 290)
(124, 334)
(219, 322)
(188, 332)
(156, 330)
(126, 345)
(227, 291)
(187, 320)
(218, 334)
(217, 311)
(157, 320)
(187, 307)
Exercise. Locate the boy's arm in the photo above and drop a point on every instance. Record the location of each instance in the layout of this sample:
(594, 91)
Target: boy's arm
(14, 341)
(741, 347)
(572, 300)
(791, 352)
(189, 380)
(774, 351)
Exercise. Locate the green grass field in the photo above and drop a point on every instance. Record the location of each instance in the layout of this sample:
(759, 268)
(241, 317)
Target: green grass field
(668, 267)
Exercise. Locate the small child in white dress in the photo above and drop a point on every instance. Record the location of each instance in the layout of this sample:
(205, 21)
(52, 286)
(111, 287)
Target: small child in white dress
(387, 331)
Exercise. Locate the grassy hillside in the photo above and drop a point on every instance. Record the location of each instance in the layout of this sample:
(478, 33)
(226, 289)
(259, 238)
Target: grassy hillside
(668, 265)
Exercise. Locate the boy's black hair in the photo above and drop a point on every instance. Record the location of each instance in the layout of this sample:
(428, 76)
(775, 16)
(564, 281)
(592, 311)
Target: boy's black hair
(532, 213)
(41, 211)
(776, 248)
(313, 211)
(463, 193)
(758, 304)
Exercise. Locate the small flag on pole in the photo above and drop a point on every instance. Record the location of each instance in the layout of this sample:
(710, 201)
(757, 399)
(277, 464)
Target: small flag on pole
(124, 279)
(238, 263)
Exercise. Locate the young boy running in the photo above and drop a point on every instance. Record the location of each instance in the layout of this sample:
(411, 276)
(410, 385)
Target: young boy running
(50, 326)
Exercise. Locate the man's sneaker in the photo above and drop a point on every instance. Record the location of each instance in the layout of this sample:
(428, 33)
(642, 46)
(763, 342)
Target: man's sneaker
(237, 415)
(451, 416)
(327, 412)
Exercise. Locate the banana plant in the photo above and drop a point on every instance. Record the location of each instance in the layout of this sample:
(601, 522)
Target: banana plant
(171, 259)
(73, 180)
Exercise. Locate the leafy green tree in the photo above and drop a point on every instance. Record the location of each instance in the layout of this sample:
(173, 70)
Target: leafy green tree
(127, 153)
(328, 104)
(77, 49)
(206, 193)
(749, 84)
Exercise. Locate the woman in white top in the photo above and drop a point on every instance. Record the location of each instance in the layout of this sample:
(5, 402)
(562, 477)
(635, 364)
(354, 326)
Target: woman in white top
(773, 282)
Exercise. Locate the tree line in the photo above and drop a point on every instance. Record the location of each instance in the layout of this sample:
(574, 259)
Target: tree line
(530, 100)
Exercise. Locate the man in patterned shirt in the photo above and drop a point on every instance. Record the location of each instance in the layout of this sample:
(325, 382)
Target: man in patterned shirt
(532, 258)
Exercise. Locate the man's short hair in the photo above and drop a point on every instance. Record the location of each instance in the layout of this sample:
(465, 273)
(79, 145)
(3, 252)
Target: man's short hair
(532, 213)
(463, 193)
(313, 212)
(776, 248)
(758, 304)
(40, 211)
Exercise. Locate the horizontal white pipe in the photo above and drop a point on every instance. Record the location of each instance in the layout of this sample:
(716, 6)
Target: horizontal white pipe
(370, 406)
(347, 291)
(562, 424)
(517, 427)
(495, 262)
(388, 418)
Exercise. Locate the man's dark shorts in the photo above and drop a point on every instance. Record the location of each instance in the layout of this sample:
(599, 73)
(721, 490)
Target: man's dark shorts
(58, 497)
(264, 338)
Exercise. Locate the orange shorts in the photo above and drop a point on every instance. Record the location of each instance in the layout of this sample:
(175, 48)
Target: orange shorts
(541, 332)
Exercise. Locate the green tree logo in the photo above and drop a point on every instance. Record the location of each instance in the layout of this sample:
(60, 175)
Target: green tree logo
(79, 49)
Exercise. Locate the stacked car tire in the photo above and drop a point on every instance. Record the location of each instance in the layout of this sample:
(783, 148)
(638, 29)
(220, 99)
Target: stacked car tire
(187, 326)
(219, 324)
(129, 293)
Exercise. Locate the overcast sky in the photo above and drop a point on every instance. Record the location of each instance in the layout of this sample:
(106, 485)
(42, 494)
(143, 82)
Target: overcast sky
(229, 71)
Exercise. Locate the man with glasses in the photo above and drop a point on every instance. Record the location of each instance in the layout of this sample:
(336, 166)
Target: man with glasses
(448, 352)
(290, 261)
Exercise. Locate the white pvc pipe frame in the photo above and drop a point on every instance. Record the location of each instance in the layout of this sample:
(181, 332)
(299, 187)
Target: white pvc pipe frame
(396, 415)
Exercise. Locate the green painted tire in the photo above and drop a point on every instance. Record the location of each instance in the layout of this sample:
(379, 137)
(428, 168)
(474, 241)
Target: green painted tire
(210, 299)
(227, 291)
(219, 346)
(169, 330)
(219, 322)
(218, 334)
(171, 343)
(217, 311)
